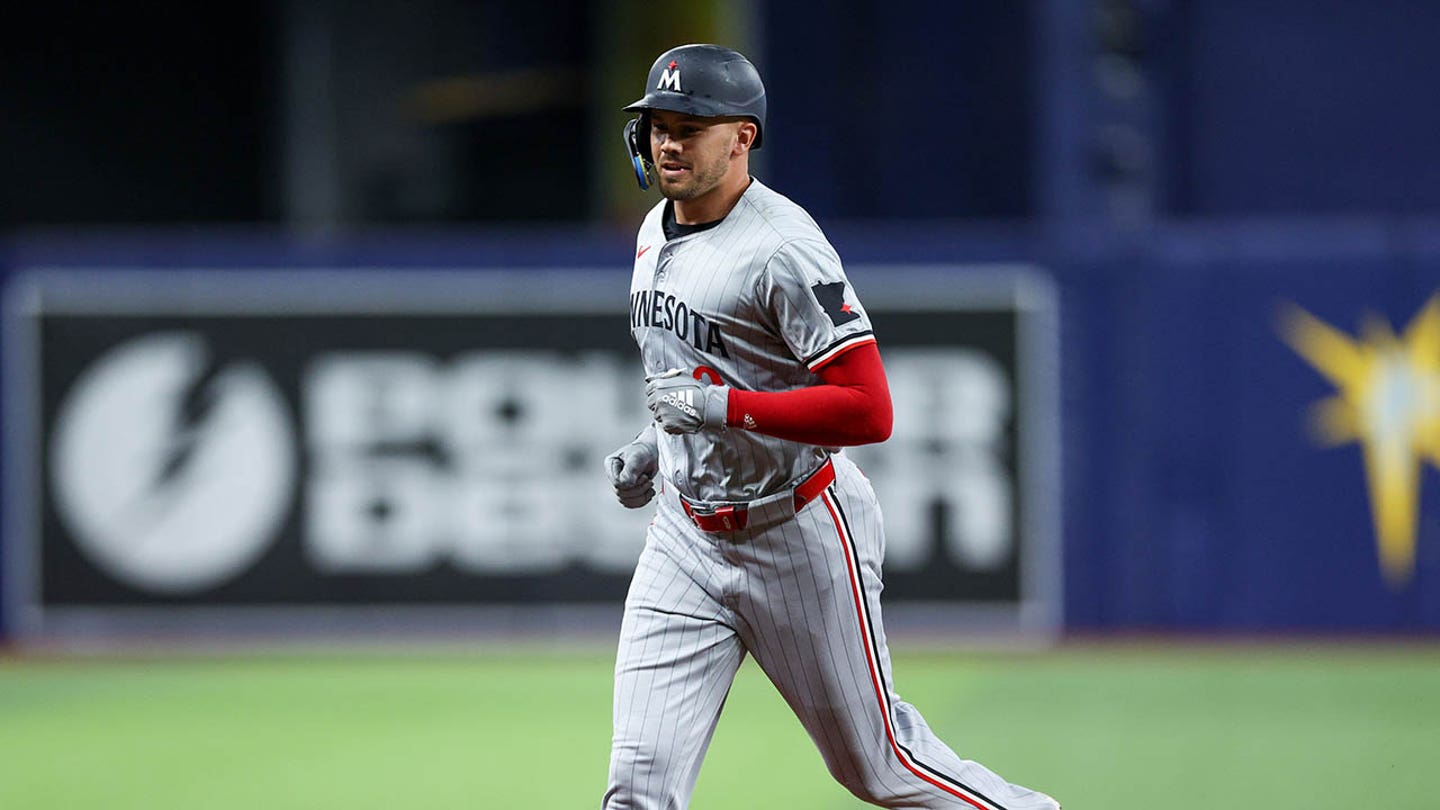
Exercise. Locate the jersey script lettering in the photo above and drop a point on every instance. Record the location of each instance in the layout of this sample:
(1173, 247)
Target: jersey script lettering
(661, 310)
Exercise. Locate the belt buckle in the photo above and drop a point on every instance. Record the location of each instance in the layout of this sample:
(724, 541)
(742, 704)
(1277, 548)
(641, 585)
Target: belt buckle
(731, 517)
(727, 518)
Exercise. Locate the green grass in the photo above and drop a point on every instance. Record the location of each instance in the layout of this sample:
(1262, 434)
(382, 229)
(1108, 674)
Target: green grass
(1119, 729)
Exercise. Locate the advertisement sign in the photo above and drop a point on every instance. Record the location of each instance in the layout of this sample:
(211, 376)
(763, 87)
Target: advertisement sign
(223, 444)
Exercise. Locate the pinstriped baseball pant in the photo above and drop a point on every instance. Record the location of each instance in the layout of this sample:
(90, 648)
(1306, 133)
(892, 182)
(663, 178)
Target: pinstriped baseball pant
(802, 597)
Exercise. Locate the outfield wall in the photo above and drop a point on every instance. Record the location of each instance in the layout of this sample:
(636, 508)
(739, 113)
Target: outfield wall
(1232, 403)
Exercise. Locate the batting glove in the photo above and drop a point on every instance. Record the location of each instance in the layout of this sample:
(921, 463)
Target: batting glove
(632, 470)
(683, 404)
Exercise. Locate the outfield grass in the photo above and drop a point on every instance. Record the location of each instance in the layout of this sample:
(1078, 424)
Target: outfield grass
(1172, 728)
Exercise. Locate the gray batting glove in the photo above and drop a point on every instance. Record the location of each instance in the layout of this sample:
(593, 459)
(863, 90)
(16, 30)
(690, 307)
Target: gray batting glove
(683, 404)
(632, 470)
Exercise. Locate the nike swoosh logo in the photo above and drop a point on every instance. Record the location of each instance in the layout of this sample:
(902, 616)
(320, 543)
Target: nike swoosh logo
(641, 251)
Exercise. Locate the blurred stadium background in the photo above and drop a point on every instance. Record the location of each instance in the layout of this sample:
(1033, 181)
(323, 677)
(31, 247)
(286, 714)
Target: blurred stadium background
(298, 510)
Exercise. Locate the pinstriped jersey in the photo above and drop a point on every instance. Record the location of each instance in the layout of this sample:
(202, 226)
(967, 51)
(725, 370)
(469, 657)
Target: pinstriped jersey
(759, 302)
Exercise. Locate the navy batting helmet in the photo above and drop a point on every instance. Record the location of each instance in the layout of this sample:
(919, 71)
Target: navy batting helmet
(705, 80)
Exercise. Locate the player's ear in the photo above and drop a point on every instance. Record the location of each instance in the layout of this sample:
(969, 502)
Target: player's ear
(745, 137)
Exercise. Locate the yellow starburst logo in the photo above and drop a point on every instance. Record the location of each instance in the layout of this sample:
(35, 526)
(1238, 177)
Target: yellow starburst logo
(1387, 399)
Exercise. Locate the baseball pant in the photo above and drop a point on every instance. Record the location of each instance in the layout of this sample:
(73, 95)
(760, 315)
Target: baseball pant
(802, 597)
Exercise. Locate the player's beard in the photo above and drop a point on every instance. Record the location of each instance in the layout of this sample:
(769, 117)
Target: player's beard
(703, 179)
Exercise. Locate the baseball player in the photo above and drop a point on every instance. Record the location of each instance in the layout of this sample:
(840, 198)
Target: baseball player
(761, 365)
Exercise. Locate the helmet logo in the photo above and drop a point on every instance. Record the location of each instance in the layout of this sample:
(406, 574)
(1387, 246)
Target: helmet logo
(670, 78)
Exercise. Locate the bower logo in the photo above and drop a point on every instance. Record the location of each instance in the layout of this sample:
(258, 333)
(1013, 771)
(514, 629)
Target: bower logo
(172, 471)
(1388, 400)
(230, 441)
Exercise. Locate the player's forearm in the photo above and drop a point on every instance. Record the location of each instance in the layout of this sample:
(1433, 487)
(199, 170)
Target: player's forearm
(826, 415)
(851, 405)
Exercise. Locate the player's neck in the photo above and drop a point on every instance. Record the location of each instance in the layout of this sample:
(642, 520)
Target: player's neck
(716, 203)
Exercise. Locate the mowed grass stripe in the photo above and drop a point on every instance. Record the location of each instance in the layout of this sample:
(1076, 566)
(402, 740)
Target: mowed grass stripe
(1118, 729)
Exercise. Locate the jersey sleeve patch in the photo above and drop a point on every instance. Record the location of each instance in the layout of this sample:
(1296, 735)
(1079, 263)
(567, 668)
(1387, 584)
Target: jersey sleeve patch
(807, 298)
(832, 299)
(839, 347)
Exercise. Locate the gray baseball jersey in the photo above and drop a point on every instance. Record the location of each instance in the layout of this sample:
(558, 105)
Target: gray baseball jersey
(744, 303)
(760, 302)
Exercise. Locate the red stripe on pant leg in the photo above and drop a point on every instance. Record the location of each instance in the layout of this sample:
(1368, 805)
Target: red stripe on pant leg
(874, 665)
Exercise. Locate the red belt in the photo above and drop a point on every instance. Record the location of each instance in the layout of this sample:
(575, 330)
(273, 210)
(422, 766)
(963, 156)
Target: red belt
(733, 517)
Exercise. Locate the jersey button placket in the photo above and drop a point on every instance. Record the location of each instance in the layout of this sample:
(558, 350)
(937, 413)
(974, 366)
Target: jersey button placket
(662, 264)
(662, 261)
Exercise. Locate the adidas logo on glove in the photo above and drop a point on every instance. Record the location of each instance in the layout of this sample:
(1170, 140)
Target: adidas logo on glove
(683, 401)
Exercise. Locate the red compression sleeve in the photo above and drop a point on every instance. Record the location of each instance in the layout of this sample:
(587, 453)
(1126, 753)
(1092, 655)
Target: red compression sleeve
(851, 405)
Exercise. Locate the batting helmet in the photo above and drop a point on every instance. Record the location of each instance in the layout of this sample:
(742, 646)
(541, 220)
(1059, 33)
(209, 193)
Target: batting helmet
(705, 80)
